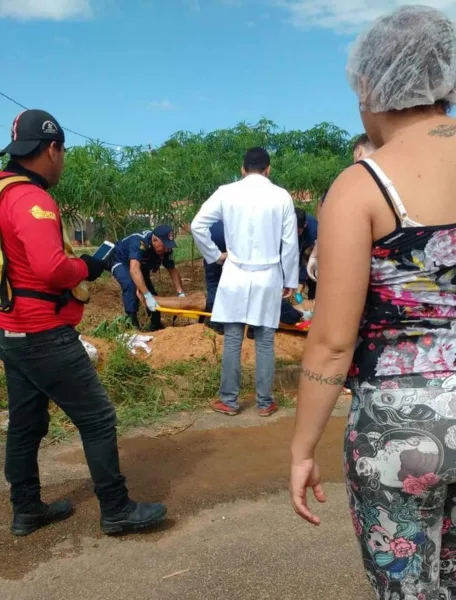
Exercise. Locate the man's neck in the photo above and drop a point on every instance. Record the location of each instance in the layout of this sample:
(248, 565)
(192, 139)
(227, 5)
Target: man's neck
(15, 167)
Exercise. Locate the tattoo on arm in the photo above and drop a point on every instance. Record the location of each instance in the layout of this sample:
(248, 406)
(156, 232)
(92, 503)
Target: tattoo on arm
(319, 377)
(443, 131)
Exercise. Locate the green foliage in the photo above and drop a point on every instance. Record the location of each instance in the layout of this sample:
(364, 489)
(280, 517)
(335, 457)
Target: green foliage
(125, 190)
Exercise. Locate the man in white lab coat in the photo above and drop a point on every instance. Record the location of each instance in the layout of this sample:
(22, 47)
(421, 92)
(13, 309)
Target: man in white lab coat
(261, 266)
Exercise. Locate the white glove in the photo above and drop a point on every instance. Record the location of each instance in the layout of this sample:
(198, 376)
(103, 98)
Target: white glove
(151, 303)
(312, 267)
(181, 295)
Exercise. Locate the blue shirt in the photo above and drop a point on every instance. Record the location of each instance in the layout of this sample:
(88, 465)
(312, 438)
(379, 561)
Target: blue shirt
(138, 246)
(218, 235)
(309, 235)
(306, 242)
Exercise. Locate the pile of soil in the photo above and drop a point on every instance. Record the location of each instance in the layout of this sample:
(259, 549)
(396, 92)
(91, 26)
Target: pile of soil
(186, 340)
(197, 341)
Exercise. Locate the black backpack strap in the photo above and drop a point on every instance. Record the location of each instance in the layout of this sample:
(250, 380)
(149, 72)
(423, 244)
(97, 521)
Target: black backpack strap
(59, 301)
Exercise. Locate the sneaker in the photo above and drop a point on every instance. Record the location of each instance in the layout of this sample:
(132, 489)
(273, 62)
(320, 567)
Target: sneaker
(136, 516)
(25, 524)
(270, 410)
(219, 407)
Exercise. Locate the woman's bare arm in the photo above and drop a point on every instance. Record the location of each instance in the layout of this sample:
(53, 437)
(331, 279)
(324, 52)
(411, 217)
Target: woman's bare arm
(344, 253)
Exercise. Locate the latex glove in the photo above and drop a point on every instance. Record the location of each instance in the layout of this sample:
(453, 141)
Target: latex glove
(151, 303)
(312, 268)
(181, 295)
(298, 297)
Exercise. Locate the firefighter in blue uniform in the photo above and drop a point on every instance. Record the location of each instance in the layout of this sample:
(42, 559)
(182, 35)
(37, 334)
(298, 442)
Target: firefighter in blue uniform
(213, 273)
(133, 260)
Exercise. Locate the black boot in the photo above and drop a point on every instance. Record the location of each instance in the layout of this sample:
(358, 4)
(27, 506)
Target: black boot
(25, 524)
(135, 516)
(250, 333)
(133, 318)
(155, 321)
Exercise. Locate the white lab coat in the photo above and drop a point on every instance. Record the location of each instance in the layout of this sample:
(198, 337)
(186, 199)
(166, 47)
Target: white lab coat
(262, 244)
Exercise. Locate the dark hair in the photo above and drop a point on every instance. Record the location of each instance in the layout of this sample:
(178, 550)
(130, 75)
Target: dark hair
(323, 198)
(362, 140)
(256, 160)
(42, 146)
(301, 217)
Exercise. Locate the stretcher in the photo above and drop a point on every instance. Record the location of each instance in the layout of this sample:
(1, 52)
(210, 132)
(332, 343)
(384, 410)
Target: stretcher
(301, 327)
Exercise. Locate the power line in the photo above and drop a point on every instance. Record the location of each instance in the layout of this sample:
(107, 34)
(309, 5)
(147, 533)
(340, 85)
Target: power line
(85, 137)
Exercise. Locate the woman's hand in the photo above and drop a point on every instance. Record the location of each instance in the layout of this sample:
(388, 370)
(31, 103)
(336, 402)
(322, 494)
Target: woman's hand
(303, 475)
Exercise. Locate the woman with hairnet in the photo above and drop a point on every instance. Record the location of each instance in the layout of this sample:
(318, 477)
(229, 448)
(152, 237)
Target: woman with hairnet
(394, 299)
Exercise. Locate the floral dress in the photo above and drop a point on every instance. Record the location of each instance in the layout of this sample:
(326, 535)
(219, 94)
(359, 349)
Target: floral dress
(400, 446)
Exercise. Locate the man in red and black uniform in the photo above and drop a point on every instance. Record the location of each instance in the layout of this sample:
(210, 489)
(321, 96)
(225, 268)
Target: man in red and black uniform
(40, 347)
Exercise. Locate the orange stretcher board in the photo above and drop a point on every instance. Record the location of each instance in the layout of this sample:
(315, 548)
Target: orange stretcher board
(302, 327)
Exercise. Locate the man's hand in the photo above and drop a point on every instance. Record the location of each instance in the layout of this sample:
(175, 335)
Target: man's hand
(94, 266)
(287, 292)
(312, 265)
(223, 257)
(151, 303)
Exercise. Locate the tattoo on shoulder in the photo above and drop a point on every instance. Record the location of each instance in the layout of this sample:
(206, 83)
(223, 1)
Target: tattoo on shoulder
(320, 378)
(443, 131)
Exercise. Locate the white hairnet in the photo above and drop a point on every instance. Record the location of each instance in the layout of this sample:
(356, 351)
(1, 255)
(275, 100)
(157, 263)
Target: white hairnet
(405, 59)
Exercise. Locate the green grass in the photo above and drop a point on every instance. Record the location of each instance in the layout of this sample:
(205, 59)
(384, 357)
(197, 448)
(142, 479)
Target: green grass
(183, 252)
(185, 247)
(143, 396)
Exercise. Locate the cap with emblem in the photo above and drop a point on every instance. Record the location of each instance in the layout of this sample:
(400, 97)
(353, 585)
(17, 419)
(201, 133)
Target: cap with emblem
(29, 129)
(165, 234)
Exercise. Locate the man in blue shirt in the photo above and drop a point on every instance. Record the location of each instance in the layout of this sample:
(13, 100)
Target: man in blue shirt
(213, 273)
(308, 233)
(132, 261)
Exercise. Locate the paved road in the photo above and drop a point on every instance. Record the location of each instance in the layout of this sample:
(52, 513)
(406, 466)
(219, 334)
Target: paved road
(232, 533)
(246, 550)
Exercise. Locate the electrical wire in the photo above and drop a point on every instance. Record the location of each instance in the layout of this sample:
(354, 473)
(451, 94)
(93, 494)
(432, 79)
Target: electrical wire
(85, 137)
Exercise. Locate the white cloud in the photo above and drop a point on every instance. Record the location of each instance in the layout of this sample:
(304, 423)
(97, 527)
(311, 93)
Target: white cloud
(164, 105)
(349, 15)
(54, 10)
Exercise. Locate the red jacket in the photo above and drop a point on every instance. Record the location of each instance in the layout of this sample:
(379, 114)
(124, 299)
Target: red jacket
(30, 233)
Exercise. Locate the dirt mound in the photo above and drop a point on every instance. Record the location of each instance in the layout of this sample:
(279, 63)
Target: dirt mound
(197, 341)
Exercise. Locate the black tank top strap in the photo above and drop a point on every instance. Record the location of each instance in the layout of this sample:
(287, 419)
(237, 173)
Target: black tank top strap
(383, 189)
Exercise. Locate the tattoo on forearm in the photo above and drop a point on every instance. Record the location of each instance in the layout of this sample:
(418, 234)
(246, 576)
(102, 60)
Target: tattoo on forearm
(443, 131)
(320, 378)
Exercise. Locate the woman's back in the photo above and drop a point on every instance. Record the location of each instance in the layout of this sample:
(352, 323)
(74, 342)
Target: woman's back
(409, 326)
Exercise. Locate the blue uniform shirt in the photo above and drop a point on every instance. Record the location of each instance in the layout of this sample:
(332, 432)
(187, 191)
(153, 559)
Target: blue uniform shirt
(306, 243)
(218, 235)
(309, 235)
(138, 246)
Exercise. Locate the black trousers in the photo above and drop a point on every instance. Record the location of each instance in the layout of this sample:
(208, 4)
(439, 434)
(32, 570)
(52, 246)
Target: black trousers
(54, 365)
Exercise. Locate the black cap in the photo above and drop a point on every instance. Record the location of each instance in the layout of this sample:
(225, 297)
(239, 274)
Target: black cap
(165, 234)
(29, 129)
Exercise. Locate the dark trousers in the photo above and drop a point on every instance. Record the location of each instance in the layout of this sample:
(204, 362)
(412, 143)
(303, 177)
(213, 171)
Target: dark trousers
(288, 314)
(212, 274)
(311, 289)
(54, 365)
(129, 298)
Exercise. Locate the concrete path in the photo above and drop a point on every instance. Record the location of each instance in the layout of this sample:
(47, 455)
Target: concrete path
(231, 535)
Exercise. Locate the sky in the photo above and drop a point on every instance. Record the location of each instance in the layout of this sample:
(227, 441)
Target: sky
(133, 72)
